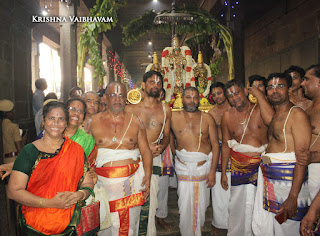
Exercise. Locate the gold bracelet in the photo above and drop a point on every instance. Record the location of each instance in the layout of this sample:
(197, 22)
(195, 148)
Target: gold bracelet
(41, 202)
(83, 193)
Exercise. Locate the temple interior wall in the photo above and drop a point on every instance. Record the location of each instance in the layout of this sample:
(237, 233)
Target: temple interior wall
(286, 35)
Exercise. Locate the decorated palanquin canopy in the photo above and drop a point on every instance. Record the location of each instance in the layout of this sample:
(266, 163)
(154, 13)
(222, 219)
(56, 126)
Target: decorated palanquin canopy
(178, 67)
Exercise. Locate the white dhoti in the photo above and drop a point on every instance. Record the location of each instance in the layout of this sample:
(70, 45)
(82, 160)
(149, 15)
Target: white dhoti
(313, 180)
(272, 190)
(242, 194)
(122, 184)
(154, 189)
(220, 198)
(194, 196)
(164, 182)
(162, 211)
(220, 202)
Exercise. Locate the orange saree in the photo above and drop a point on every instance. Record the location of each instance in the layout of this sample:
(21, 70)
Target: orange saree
(52, 175)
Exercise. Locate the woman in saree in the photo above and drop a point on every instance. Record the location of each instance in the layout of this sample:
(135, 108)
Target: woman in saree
(49, 179)
(76, 110)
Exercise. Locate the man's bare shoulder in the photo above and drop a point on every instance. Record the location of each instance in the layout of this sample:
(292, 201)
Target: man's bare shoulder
(131, 107)
(208, 117)
(96, 117)
(168, 108)
(298, 113)
(213, 110)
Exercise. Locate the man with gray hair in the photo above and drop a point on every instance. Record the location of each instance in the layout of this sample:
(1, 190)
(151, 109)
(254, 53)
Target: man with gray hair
(121, 137)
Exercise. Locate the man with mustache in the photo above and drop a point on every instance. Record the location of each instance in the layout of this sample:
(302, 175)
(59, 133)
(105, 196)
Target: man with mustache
(197, 152)
(220, 197)
(120, 138)
(244, 138)
(282, 192)
(310, 85)
(156, 117)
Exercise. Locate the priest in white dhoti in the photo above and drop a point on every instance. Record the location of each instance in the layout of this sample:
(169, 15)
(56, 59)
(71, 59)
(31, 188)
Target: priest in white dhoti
(244, 138)
(197, 151)
(121, 140)
(282, 193)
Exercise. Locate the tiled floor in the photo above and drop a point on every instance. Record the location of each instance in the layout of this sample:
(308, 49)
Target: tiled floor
(173, 218)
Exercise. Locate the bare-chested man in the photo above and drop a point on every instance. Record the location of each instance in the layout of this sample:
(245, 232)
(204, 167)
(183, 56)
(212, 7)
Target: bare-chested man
(197, 153)
(118, 135)
(156, 117)
(311, 84)
(220, 197)
(296, 92)
(244, 138)
(283, 170)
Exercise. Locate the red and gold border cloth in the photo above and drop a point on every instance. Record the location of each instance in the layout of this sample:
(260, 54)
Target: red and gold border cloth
(244, 169)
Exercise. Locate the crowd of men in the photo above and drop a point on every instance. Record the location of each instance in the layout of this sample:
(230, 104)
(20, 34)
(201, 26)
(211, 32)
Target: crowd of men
(259, 159)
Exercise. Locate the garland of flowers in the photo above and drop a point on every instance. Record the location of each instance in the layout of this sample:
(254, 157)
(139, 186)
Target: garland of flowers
(90, 32)
(204, 25)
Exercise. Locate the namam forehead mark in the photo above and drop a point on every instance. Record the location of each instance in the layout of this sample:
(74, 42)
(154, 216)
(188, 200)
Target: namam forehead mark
(157, 79)
(275, 81)
(192, 94)
(78, 92)
(117, 89)
(294, 74)
(231, 91)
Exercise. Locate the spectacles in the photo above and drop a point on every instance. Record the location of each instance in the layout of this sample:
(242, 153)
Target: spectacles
(279, 86)
(73, 109)
(113, 95)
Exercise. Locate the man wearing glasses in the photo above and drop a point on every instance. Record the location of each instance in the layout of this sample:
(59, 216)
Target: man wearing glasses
(278, 209)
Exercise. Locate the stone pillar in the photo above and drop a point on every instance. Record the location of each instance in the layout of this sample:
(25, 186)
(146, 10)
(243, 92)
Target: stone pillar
(68, 49)
(35, 53)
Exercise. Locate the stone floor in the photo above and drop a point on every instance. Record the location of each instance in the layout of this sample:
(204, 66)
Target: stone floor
(173, 218)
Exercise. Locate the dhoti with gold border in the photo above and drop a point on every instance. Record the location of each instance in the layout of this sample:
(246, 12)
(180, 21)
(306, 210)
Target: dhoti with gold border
(123, 185)
(194, 196)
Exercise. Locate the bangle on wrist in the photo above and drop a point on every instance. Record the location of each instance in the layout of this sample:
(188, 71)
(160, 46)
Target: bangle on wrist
(41, 202)
(84, 194)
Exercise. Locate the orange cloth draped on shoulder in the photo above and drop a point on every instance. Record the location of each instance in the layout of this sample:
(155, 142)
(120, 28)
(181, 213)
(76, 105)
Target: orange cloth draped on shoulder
(52, 175)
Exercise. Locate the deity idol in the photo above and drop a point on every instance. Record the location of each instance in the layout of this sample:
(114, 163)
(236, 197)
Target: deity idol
(156, 66)
(177, 62)
(201, 77)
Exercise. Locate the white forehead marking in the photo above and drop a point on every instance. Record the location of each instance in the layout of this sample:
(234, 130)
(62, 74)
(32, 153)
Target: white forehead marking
(231, 90)
(117, 89)
(275, 81)
(79, 92)
(157, 79)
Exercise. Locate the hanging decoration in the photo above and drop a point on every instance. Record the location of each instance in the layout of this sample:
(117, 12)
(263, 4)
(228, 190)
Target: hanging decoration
(115, 65)
(90, 32)
(202, 26)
